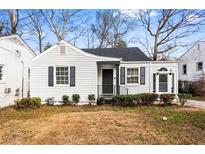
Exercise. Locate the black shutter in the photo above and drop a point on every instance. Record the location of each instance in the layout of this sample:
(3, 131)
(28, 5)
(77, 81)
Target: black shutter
(50, 76)
(142, 75)
(72, 76)
(154, 82)
(122, 75)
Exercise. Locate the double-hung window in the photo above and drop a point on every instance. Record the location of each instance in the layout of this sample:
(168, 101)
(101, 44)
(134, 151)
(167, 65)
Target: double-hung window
(184, 69)
(62, 75)
(199, 66)
(132, 75)
(1, 73)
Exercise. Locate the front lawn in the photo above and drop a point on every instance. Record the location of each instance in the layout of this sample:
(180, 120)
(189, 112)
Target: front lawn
(103, 125)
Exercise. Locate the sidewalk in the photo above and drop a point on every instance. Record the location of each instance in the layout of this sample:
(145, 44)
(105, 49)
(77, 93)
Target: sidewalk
(194, 103)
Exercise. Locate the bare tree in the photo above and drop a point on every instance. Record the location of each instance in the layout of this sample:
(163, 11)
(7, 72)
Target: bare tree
(102, 27)
(2, 21)
(120, 44)
(48, 45)
(121, 26)
(36, 27)
(111, 27)
(64, 22)
(169, 27)
(90, 37)
(14, 20)
(1, 27)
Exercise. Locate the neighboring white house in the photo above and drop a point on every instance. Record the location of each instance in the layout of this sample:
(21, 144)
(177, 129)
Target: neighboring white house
(15, 61)
(64, 69)
(192, 62)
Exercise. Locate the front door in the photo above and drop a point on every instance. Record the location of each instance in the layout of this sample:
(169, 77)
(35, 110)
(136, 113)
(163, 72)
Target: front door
(163, 82)
(107, 81)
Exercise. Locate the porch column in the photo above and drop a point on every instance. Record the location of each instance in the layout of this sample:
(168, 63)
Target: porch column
(169, 84)
(117, 79)
(157, 82)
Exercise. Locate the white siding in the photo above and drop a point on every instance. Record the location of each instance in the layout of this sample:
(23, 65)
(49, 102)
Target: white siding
(86, 74)
(190, 58)
(134, 89)
(13, 70)
(150, 68)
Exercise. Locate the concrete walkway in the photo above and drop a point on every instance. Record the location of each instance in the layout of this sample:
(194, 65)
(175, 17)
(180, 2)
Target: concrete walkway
(194, 103)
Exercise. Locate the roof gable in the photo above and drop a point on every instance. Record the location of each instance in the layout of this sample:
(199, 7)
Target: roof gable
(77, 50)
(190, 49)
(17, 39)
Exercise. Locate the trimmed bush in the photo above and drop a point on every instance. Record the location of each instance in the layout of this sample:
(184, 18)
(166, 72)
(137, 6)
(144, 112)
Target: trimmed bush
(123, 100)
(101, 101)
(166, 99)
(28, 103)
(36, 101)
(76, 98)
(147, 98)
(183, 98)
(65, 99)
(91, 98)
(134, 100)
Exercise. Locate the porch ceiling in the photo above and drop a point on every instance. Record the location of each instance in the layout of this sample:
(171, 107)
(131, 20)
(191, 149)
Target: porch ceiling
(108, 62)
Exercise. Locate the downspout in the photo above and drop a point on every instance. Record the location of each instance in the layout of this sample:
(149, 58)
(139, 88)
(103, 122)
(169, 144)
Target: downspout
(149, 77)
(22, 89)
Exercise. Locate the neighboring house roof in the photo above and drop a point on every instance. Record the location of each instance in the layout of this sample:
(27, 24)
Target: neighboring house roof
(20, 39)
(127, 54)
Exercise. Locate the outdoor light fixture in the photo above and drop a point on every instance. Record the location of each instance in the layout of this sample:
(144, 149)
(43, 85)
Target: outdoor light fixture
(170, 72)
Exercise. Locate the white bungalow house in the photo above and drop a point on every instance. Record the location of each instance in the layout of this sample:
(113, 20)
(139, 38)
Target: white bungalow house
(64, 69)
(192, 62)
(15, 61)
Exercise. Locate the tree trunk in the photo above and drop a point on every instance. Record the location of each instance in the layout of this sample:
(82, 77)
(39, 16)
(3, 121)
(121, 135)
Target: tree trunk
(13, 18)
(155, 48)
(155, 54)
(40, 45)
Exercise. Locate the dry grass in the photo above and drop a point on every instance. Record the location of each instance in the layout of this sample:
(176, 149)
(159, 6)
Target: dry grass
(102, 125)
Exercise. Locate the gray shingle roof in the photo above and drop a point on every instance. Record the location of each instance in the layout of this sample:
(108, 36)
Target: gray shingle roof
(127, 54)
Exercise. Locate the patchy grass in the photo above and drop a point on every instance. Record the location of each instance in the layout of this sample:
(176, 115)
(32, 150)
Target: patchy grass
(198, 98)
(103, 125)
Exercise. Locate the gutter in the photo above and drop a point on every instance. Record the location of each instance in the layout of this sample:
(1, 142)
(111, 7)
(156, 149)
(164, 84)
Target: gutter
(149, 76)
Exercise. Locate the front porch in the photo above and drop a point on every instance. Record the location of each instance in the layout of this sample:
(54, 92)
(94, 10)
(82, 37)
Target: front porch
(108, 79)
(164, 81)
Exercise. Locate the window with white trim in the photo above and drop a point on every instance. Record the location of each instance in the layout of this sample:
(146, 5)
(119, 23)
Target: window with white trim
(132, 75)
(184, 69)
(1, 73)
(199, 66)
(62, 75)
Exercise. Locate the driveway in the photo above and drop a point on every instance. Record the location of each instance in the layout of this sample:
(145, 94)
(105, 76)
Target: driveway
(194, 103)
